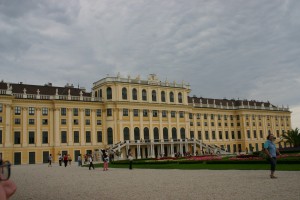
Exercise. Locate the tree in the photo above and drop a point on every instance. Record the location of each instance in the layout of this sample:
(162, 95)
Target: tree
(293, 137)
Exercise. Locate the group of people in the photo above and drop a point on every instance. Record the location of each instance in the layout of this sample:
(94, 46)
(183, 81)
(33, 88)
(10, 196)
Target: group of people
(67, 159)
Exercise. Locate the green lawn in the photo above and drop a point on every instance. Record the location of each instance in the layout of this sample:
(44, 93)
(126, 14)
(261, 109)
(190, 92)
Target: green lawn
(280, 167)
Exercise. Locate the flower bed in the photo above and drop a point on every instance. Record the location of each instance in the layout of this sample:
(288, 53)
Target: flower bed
(213, 157)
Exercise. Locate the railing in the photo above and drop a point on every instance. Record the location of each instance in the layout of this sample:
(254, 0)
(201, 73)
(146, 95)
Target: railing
(199, 105)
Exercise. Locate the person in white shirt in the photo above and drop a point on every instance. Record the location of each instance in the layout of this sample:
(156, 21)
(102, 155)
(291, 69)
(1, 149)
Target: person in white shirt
(91, 162)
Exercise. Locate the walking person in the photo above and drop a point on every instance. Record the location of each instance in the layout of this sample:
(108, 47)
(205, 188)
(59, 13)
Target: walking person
(66, 160)
(130, 158)
(69, 159)
(91, 162)
(60, 158)
(271, 151)
(105, 161)
(50, 160)
(79, 160)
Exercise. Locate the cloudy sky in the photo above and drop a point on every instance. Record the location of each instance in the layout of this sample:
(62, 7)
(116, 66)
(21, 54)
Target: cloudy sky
(234, 48)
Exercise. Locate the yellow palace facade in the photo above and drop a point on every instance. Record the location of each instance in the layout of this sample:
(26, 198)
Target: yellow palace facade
(150, 117)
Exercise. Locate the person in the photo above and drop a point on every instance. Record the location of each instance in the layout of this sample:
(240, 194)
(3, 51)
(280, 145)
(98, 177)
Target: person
(130, 158)
(50, 160)
(7, 187)
(66, 160)
(69, 159)
(91, 162)
(105, 161)
(271, 152)
(79, 160)
(60, 159)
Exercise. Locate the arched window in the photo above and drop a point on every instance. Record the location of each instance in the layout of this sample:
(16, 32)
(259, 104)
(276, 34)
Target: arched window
(174, 133)
(96, 94)
(100, 93)
(124, 93)
(146, 134)
(165, 134)
(182, 133)
(156, 134)
(134, 94)
(163, 96)
(179, 97)
(126, 133)
(153, 95)
(144, 95)
(110, 138)
(136, 133)
(109, 93)
(171, 97)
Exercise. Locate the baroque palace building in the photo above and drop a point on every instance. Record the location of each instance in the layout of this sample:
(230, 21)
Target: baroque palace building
(150, 117)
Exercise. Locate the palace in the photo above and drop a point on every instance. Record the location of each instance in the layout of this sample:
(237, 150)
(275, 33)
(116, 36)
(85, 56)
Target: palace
(150, 117)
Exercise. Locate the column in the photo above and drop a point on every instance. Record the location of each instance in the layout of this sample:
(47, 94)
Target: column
(38, 128)
(93, 127)
(69, 122)
(81, 125)
(24, 140)
(8, 136)
(56, 127)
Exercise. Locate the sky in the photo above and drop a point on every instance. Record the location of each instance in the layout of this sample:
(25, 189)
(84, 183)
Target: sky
(234, 49)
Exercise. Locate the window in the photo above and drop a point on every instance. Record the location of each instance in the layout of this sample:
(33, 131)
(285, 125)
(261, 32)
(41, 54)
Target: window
(198, 124)
(213, 135)
(206, 135)
(164, 113)
(87, 122)
(99, 136)
(226, 135)
(0, 119)
(237, 117)
(199, 135)
(109, 112)
(17, 110)
(190, 116)
(88, 136)
(75, 121)
(181, 114)
(44, 121)
(100, 93)
(220, 135)
(254, 134)
(31, 137)
(63, 121)
(179, 97)
(154, 113)
(212, 116)
(124, 93)
(238, 124)
(225, 117)
(226, 124)
(144, 95)
(219, 124)
(99, 122)
(17, 138)
(125, 112)
(248, 133)
(205, 116)
(232, 135)
(31, 121)
(45, 137)
(231, 117)
(260, 133)
(87, 112)
(63, 111)
(163, 96)
(212, 123)
(31, 111)
(171, 97)
(198, 115)
(0, 136)
(1, 107)
(145, 113)
(44, 111)
(98, 112)
(76, 136)
(205, 123)
(219, 117)
(109, 93)
(75, 111)
(134, 94)
(64, 137)
(173, 114)
(126, 133)
(153, 95)
(165, 134)
(135, 112)
(17, 121)
(191, 124)
(239, 135)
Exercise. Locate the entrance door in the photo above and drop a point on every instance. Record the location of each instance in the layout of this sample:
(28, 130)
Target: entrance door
(45, 156)
(76, 153)
(17, 158)
(31, 157)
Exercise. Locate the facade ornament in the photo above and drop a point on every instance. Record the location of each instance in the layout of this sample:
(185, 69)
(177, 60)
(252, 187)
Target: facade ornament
(56, 91)
(24, 90)
(38, 92)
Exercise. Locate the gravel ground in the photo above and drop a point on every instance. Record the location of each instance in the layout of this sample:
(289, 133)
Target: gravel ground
(72, 182)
